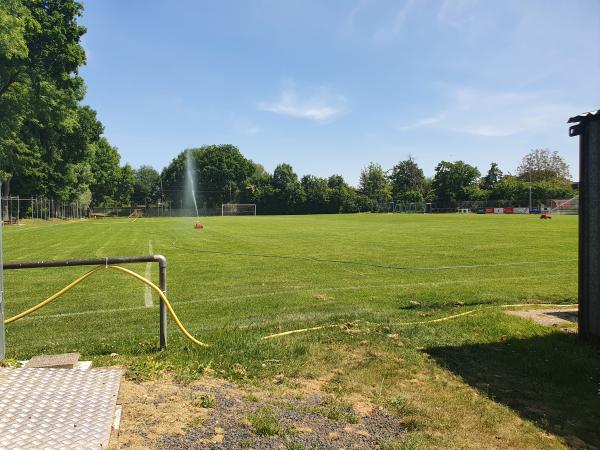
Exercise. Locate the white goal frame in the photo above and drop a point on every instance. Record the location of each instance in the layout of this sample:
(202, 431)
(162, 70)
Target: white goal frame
(233, 209)
(565, 206)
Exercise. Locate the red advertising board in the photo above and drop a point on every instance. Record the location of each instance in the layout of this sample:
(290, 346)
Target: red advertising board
(489, 210)
(508, 210)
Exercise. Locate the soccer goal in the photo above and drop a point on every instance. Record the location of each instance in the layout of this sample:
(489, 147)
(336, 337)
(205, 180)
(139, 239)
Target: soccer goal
(565, 206)
(238, 209)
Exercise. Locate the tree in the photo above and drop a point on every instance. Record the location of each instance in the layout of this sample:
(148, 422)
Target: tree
(288, 194)
(220, 172)
(126, 185)
(543, 165)
(406, 176)
(46, 136)
(316, 192)
(342, 197)
(106, 174)
(492, 177)
(453, 182)
(515, 192)
(147, 186)
(374, 185)
(410, 197)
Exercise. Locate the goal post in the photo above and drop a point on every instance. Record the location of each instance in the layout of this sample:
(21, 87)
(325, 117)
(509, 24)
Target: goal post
(238, 209)
(565, 206)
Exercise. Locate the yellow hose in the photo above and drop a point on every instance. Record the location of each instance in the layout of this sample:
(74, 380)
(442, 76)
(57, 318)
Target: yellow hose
(442, 319)
(202, 344)
(425, 322)
(121, 269)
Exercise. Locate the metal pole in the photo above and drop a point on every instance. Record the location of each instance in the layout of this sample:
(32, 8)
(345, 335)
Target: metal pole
(162, 277)
(2, 342)
(162, 265)
(588, 130)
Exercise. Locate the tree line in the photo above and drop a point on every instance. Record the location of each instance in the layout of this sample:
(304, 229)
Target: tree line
(52, 145)
(224, 175)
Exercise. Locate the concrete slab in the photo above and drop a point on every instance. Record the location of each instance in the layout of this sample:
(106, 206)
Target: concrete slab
(63, 361)
(560, 318)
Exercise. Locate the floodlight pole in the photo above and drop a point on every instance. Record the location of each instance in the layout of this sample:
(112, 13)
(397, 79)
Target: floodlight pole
(587, 127)
(2, 340)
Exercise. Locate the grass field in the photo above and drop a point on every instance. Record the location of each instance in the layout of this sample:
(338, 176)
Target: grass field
(480, 380)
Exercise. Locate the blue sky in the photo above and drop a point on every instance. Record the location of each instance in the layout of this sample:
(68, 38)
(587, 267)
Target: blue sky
(330, 86)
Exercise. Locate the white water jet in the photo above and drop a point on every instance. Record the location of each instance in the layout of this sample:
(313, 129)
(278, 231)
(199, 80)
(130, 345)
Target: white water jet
(190, 180)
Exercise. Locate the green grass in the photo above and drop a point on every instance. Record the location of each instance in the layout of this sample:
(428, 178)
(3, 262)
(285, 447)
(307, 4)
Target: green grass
(264, 423)
(241, 278)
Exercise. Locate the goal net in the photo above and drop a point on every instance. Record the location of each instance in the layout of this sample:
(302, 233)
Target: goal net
(565, 206)
(238, 209)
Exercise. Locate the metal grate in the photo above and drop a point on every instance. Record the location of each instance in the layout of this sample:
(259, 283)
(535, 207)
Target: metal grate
(57, 408)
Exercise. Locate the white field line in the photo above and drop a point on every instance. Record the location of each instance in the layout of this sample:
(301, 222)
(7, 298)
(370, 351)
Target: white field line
(148, 275)
(513, 263)
(299, 291)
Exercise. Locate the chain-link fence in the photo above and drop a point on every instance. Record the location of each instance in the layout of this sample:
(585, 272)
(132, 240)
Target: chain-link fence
(15, 209)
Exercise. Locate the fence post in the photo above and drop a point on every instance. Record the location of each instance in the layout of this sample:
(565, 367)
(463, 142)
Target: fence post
(2, 343)
(162, 277)
(588, 129)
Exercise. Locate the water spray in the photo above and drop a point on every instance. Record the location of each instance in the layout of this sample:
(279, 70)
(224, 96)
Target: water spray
(189, 173)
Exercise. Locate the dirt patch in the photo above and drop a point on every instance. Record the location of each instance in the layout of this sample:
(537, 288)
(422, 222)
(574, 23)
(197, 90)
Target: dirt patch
(152, 410)
(215, 414)
(565, 319)
(317, 421)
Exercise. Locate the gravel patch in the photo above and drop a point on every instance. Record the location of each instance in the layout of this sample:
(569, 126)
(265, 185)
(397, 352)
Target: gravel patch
(314, 422)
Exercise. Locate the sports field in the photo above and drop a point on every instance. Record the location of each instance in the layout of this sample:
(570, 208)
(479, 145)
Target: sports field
(479, 378)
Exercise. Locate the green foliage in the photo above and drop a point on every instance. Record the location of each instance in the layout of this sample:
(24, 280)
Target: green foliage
(335, 409)
(516, 191)
(406, 176)
(47, 138)
(264, 422)
(414, 196)
(221, 172)
(543, 165)
(205, 401)
(126, 185)
(342, 197)
(106, 173)
(492, 177)
(147, 189)
(288, 194)
(453, 181)
(317, 193)
(374, 185)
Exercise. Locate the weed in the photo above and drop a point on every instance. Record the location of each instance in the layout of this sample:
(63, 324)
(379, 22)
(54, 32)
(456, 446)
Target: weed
(265, 423)
(9, 363)
(205, 401)
(196, 422)
(399, 407)
(334, 409)
(251, 398)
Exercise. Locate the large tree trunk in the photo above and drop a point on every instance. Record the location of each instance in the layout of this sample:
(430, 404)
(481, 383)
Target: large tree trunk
(5, 194)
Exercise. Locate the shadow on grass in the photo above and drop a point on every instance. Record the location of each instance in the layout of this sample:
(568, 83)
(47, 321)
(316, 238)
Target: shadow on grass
(551, 380)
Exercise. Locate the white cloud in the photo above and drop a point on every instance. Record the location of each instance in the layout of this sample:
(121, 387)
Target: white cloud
(388, 32)
(421, 123)
(494, 114)
(319, 107)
